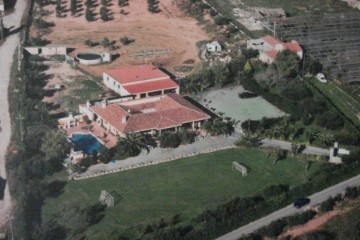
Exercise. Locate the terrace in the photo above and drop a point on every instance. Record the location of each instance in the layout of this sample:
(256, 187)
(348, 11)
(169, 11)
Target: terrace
(107, 139)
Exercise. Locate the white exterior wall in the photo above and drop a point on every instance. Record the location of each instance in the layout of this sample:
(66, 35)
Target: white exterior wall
(2, 7)
(47, 50)
(265, 58)
(114, 85)
(86, 111)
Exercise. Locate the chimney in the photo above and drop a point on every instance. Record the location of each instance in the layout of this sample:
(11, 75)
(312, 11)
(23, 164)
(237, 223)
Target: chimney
(104, 103)
(87, 103)
(124, 119)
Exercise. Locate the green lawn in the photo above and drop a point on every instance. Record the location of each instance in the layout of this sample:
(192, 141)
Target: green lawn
(187, 186)
(349, 106)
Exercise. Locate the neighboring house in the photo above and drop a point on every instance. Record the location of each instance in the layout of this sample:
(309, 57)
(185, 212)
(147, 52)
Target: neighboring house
(47, 50)
(213, 47)
(150, 115)
(2, 6)
(141, 81)
(269, 47)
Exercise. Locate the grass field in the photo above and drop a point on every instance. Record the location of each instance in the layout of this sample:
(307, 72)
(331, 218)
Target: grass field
(349, 106)
(187, 186)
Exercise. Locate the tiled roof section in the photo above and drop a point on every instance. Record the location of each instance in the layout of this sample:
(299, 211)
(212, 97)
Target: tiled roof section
(164, 112)
(150, 86)
(272, 54)
(112, 114)
(273, 41)
(293, 46)
(136, 73)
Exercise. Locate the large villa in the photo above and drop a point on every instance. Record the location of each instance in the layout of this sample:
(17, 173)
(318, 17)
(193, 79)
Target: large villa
(149, 103)
(150, 115)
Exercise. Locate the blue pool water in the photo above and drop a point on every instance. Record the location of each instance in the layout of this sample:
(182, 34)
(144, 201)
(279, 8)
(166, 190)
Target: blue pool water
(86, 143)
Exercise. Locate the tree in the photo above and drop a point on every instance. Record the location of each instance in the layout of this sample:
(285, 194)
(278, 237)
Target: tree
(249, 140)
(287, 64)
(55, 148)
(55, 145)
(123, 3)
(330, 120)
(105, 42)
(132, 144)
(105, 155)
(216, 127)
(268, 77)
(169, 140)
(73, 7)
(104, 14)
(89, 15)
(221, 74)
(325, 138)
(311, 135)
(295, 149)
(276, 154)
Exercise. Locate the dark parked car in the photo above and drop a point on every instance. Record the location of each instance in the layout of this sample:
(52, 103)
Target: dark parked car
(300, 202)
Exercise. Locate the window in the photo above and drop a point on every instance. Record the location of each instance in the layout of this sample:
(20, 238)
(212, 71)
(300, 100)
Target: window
(142, 95)
(119, 86)
(114, 83)
(155, 93)
(169, 91)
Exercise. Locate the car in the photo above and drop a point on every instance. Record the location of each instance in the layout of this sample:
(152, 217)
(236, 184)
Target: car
(321, 77)
(300, 202)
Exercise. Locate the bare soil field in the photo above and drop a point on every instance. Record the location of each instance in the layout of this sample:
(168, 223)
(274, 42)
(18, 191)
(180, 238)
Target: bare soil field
(169, 31)
(75, 89)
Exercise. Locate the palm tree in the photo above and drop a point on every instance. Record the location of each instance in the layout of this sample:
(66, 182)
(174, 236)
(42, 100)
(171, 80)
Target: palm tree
(249, 140)
(295, 149)
(215, 127)
(311, 135)
(325, 138)
(132, 144)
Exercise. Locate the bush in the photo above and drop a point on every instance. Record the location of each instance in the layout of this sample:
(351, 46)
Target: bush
(220, 20)
(169, 140)
(126, 41)
(301, 218)
(352, 192)
(213, 12)
(328, 205)
(330, 120)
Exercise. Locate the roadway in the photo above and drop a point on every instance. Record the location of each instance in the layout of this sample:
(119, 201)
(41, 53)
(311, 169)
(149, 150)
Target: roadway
(287, 146)
(290, 210)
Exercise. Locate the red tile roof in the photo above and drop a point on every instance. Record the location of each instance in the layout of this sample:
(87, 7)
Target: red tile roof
(272, 54)
(293, 46)
(150, 86)
(136, 73)
(273, 41)
(163, 112)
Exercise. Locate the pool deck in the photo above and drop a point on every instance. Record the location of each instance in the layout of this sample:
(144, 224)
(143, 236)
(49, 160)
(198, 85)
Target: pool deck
(107, 139)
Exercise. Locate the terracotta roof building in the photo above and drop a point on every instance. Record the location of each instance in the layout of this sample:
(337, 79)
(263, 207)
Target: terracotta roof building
(269, 47)
(148, 115)
(141, 81)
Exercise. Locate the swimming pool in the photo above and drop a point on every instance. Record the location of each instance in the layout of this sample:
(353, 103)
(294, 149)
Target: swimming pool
(86, 143)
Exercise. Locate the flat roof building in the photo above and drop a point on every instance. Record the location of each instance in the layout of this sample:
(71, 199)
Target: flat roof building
(141, 81)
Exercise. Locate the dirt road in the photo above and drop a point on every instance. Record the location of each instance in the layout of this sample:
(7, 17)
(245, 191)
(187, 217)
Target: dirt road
(7, 51)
